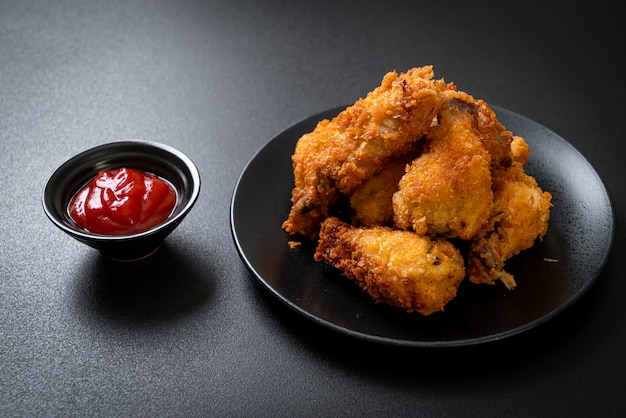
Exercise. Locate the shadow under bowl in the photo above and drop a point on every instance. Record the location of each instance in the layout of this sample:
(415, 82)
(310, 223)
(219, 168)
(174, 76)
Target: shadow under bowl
(151, 157)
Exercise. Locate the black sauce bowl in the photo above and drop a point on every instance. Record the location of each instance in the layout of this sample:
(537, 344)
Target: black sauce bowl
(152, 157)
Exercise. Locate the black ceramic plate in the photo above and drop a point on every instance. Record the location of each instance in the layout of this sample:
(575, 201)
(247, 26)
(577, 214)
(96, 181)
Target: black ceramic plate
(550, 276)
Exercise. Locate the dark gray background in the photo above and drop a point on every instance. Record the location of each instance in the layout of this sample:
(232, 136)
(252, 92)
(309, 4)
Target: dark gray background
(191, 332)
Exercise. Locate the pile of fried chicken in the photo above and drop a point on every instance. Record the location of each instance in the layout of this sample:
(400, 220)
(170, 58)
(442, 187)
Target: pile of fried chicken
(413, 188)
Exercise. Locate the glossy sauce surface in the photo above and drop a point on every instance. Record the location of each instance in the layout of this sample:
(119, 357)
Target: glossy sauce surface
(122, 201)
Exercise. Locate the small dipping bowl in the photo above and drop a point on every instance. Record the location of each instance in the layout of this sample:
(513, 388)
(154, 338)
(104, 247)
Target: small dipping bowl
(151, 157)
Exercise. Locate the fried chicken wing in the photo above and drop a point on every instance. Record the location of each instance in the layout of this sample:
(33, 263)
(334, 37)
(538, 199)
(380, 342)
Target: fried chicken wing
(447, 190)
(400, 268)
(339, 154)
(521, 215)
(371, 202)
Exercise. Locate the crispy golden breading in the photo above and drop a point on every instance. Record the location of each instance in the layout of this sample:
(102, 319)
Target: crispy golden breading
(424, 167)
(447, 190)
(519, 150)
(372, 200)
(339, 154)
(493, 135)
(522, 212)
(401, 268)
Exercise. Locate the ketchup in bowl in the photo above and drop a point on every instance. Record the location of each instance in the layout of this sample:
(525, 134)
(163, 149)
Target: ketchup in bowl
(122, 202)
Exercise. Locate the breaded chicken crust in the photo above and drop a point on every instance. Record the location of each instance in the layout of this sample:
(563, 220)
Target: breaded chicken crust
(423, 168)
(339, 154)
(447, 190)
(371, 202)
(400, 268)
(521, 215)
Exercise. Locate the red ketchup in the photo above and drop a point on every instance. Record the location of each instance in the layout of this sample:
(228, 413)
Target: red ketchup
(122, 201)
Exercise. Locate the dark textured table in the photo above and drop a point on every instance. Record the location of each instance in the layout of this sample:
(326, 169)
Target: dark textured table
(191, 332)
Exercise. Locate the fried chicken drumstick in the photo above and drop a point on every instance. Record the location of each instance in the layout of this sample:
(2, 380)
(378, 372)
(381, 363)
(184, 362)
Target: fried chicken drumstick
(339, 154)
(400, 268)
